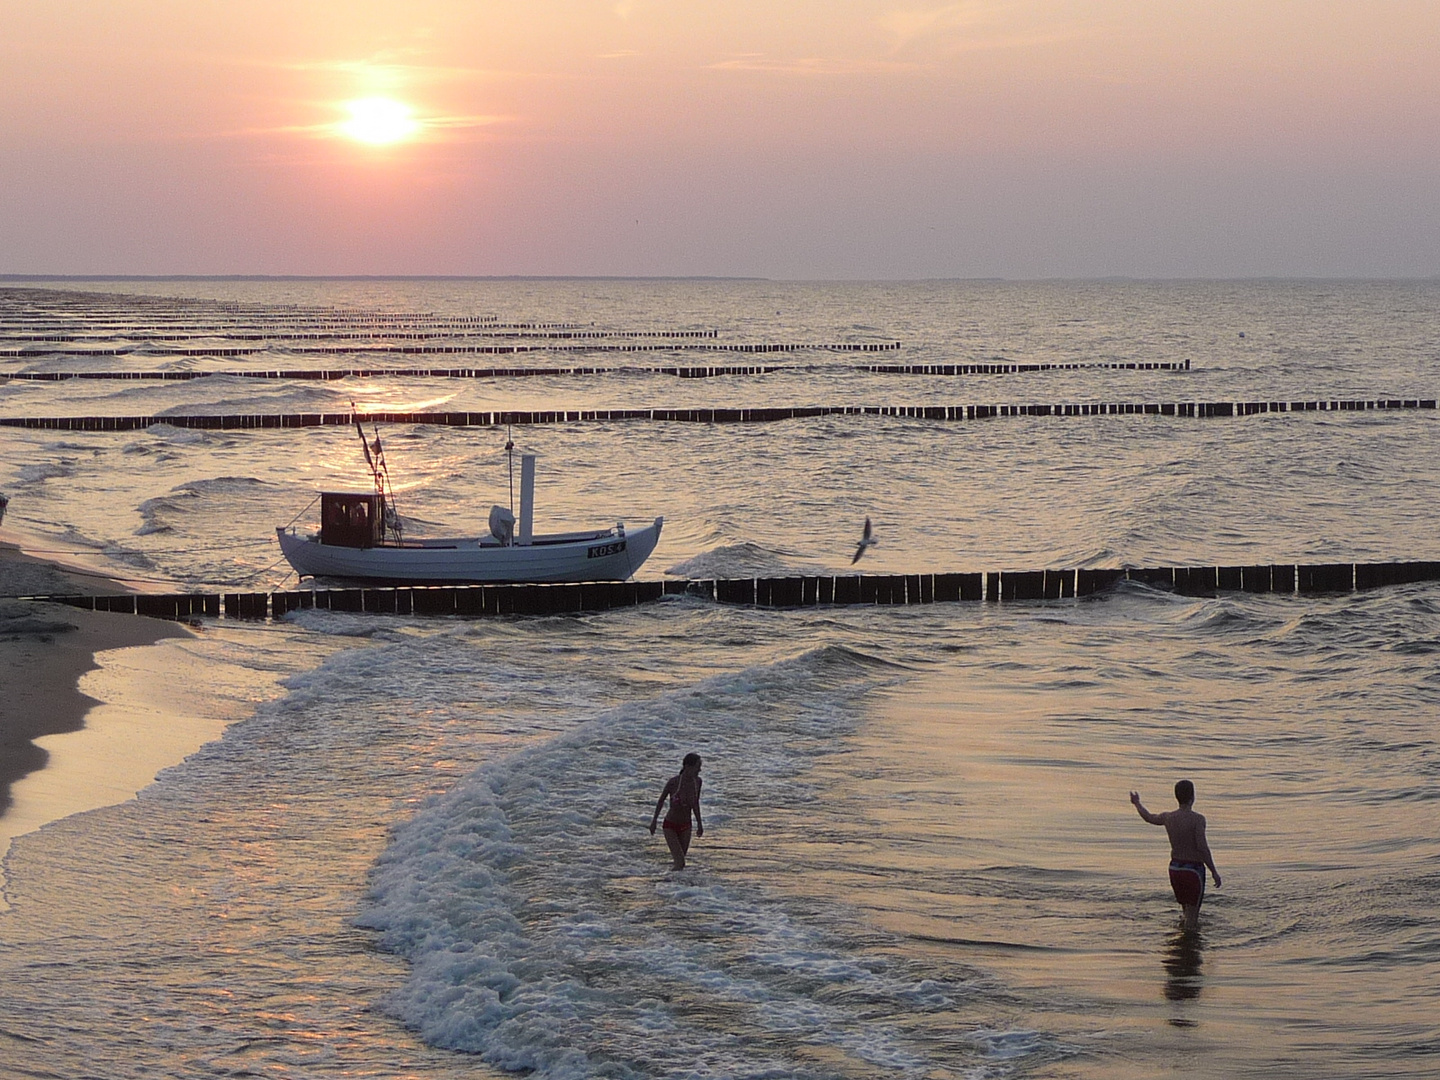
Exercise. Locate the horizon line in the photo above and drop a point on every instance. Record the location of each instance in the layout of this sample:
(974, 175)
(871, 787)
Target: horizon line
(1100, 278)
(377, 277)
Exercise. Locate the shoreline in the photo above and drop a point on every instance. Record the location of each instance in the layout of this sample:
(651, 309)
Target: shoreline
(95, 705)
(46, 649)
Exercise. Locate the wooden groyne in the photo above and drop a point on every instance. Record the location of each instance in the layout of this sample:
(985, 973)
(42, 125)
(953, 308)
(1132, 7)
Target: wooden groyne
(141, 337)
(332, 374)
(693, 372)
(1013, 585)
(1005, 586)
(469, 348)
(1010, 367)
(463, 600)
(946, 413)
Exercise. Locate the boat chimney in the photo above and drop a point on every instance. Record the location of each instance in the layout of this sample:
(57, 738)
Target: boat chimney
(527, 497)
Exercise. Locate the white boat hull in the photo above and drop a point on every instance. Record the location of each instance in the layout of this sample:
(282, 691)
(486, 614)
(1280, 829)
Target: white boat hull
(601, 555)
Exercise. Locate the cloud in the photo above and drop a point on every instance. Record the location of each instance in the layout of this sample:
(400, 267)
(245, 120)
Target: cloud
(812, 65)
(387, 72)
(460, 123)
(432, 128)
(908, 27)
(972, 26)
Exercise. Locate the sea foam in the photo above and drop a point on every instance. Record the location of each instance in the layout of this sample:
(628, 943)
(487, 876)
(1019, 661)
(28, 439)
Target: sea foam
(544, 933)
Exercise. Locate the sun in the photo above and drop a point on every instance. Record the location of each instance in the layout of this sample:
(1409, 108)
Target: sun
(378, 121)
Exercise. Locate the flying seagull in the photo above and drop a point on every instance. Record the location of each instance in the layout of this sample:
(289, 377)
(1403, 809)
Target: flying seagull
(866, 540)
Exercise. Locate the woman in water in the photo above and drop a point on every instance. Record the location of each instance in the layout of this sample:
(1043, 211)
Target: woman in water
(683, 791)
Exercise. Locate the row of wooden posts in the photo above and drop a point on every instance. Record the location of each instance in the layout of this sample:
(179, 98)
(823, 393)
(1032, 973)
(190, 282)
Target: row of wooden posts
(142, 337)
(241, 422)
(333, 374)
(51, 328)
(691, 372)
(19, 309)
(476, 349)
(1011, 367)
(788, 592)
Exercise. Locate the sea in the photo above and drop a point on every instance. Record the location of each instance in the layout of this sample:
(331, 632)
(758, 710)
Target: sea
(419, 847)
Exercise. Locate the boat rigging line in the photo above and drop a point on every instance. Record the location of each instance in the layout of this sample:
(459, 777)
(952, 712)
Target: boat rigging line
(510, 461)
(380, 473)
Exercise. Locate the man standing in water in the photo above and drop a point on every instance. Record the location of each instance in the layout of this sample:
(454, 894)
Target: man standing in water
(1189, 853)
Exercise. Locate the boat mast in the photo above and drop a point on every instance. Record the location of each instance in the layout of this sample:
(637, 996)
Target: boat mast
(510, 457)
(387, 493)
(380, 474)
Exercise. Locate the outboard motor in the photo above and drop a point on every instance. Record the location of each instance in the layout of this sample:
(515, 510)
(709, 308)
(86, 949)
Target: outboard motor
(502, 525)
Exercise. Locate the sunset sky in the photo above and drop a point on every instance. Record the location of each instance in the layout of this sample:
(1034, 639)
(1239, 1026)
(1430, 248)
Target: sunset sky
(826, 139)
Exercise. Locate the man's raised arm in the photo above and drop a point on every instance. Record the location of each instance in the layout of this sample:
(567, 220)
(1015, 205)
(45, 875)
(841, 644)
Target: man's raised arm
(1153, 819)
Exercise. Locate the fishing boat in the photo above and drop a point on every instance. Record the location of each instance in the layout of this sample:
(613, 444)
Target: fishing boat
(361, 538)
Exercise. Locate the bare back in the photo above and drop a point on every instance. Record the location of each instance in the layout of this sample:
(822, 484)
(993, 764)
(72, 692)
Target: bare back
(684, 793)
(1186, 830)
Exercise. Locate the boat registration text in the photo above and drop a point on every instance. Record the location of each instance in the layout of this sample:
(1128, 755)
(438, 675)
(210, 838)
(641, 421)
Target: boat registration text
(599, 551)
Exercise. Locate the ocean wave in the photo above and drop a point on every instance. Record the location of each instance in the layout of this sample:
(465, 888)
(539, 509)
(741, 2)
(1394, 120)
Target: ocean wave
(542, 934)
(745, 560)
(153, 511)
(1003, 1045)
(39, 472)
(221, 485)
(337, 624)
(113, 550)
(231, 395)
(188, 499)
(186, 436)
(1222, 616)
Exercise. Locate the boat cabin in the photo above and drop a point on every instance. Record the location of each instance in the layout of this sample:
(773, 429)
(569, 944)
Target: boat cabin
(352, 520)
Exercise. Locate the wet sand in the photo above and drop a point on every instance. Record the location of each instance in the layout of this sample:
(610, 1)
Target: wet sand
(45, 650)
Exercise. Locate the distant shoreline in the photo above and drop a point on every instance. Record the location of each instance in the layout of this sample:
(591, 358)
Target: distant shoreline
(372, 277)
(1116, 279)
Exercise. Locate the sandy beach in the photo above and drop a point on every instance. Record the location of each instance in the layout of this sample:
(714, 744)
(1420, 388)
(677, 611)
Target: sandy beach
(45, 649)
